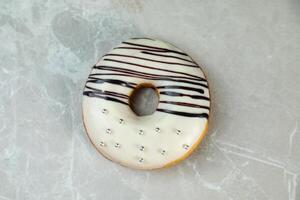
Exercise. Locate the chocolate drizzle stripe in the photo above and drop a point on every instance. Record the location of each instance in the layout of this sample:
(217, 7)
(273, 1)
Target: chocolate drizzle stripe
(93, 94)
(148, 78)
(136, 71)
(142, 49)
(185, 114)
(184, 104)
(154, 68)
(201, 91)
(111, 81)
(129, 71)
(155, 48)
(115, 94)
(177, 94)
(132, 85)
(168, 56)
(152, 60)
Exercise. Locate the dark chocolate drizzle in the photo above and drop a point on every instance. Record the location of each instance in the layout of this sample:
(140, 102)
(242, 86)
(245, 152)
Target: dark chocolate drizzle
(102, 92)
(168, 56)
(185, 114)
(185, 104)
(148, 78)
(152, 60)
(201, 91)
(129, 71)
(197, 84)
(97, 95)
(177, 94)
(109, 98)
(111, 81)
(154, 68)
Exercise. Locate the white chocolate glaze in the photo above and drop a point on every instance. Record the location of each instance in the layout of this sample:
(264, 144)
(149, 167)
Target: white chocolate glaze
(153, 141)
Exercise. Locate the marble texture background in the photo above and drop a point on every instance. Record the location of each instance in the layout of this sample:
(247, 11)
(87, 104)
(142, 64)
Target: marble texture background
(251, 54)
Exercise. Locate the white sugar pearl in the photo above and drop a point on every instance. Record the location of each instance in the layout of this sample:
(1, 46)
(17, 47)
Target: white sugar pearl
(178, 132)
(141, 132)
(117, 145)
(185, 146)
(163, 152)
(108, 131)
(142, 148)
(104, 111)
(102, 144)
(121, 121)
(157, 130)
(141, 160)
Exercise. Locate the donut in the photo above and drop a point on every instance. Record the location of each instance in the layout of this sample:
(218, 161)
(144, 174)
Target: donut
(148, 140)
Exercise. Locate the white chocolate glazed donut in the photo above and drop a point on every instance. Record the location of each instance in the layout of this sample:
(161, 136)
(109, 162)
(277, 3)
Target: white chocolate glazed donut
(154, 141)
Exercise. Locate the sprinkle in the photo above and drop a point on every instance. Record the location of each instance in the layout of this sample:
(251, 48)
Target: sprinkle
(185, 146)
(142, 148)
(141, 132)
(102, 144)
(108, 131)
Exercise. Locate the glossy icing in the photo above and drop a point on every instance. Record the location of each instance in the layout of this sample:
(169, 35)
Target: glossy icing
(153, 141)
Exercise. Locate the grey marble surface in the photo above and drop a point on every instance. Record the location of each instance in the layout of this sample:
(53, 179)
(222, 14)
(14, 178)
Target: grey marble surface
(251, 54)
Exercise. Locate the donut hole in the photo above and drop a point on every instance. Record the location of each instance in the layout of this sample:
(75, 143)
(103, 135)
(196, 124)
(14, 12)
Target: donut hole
(144, 100)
